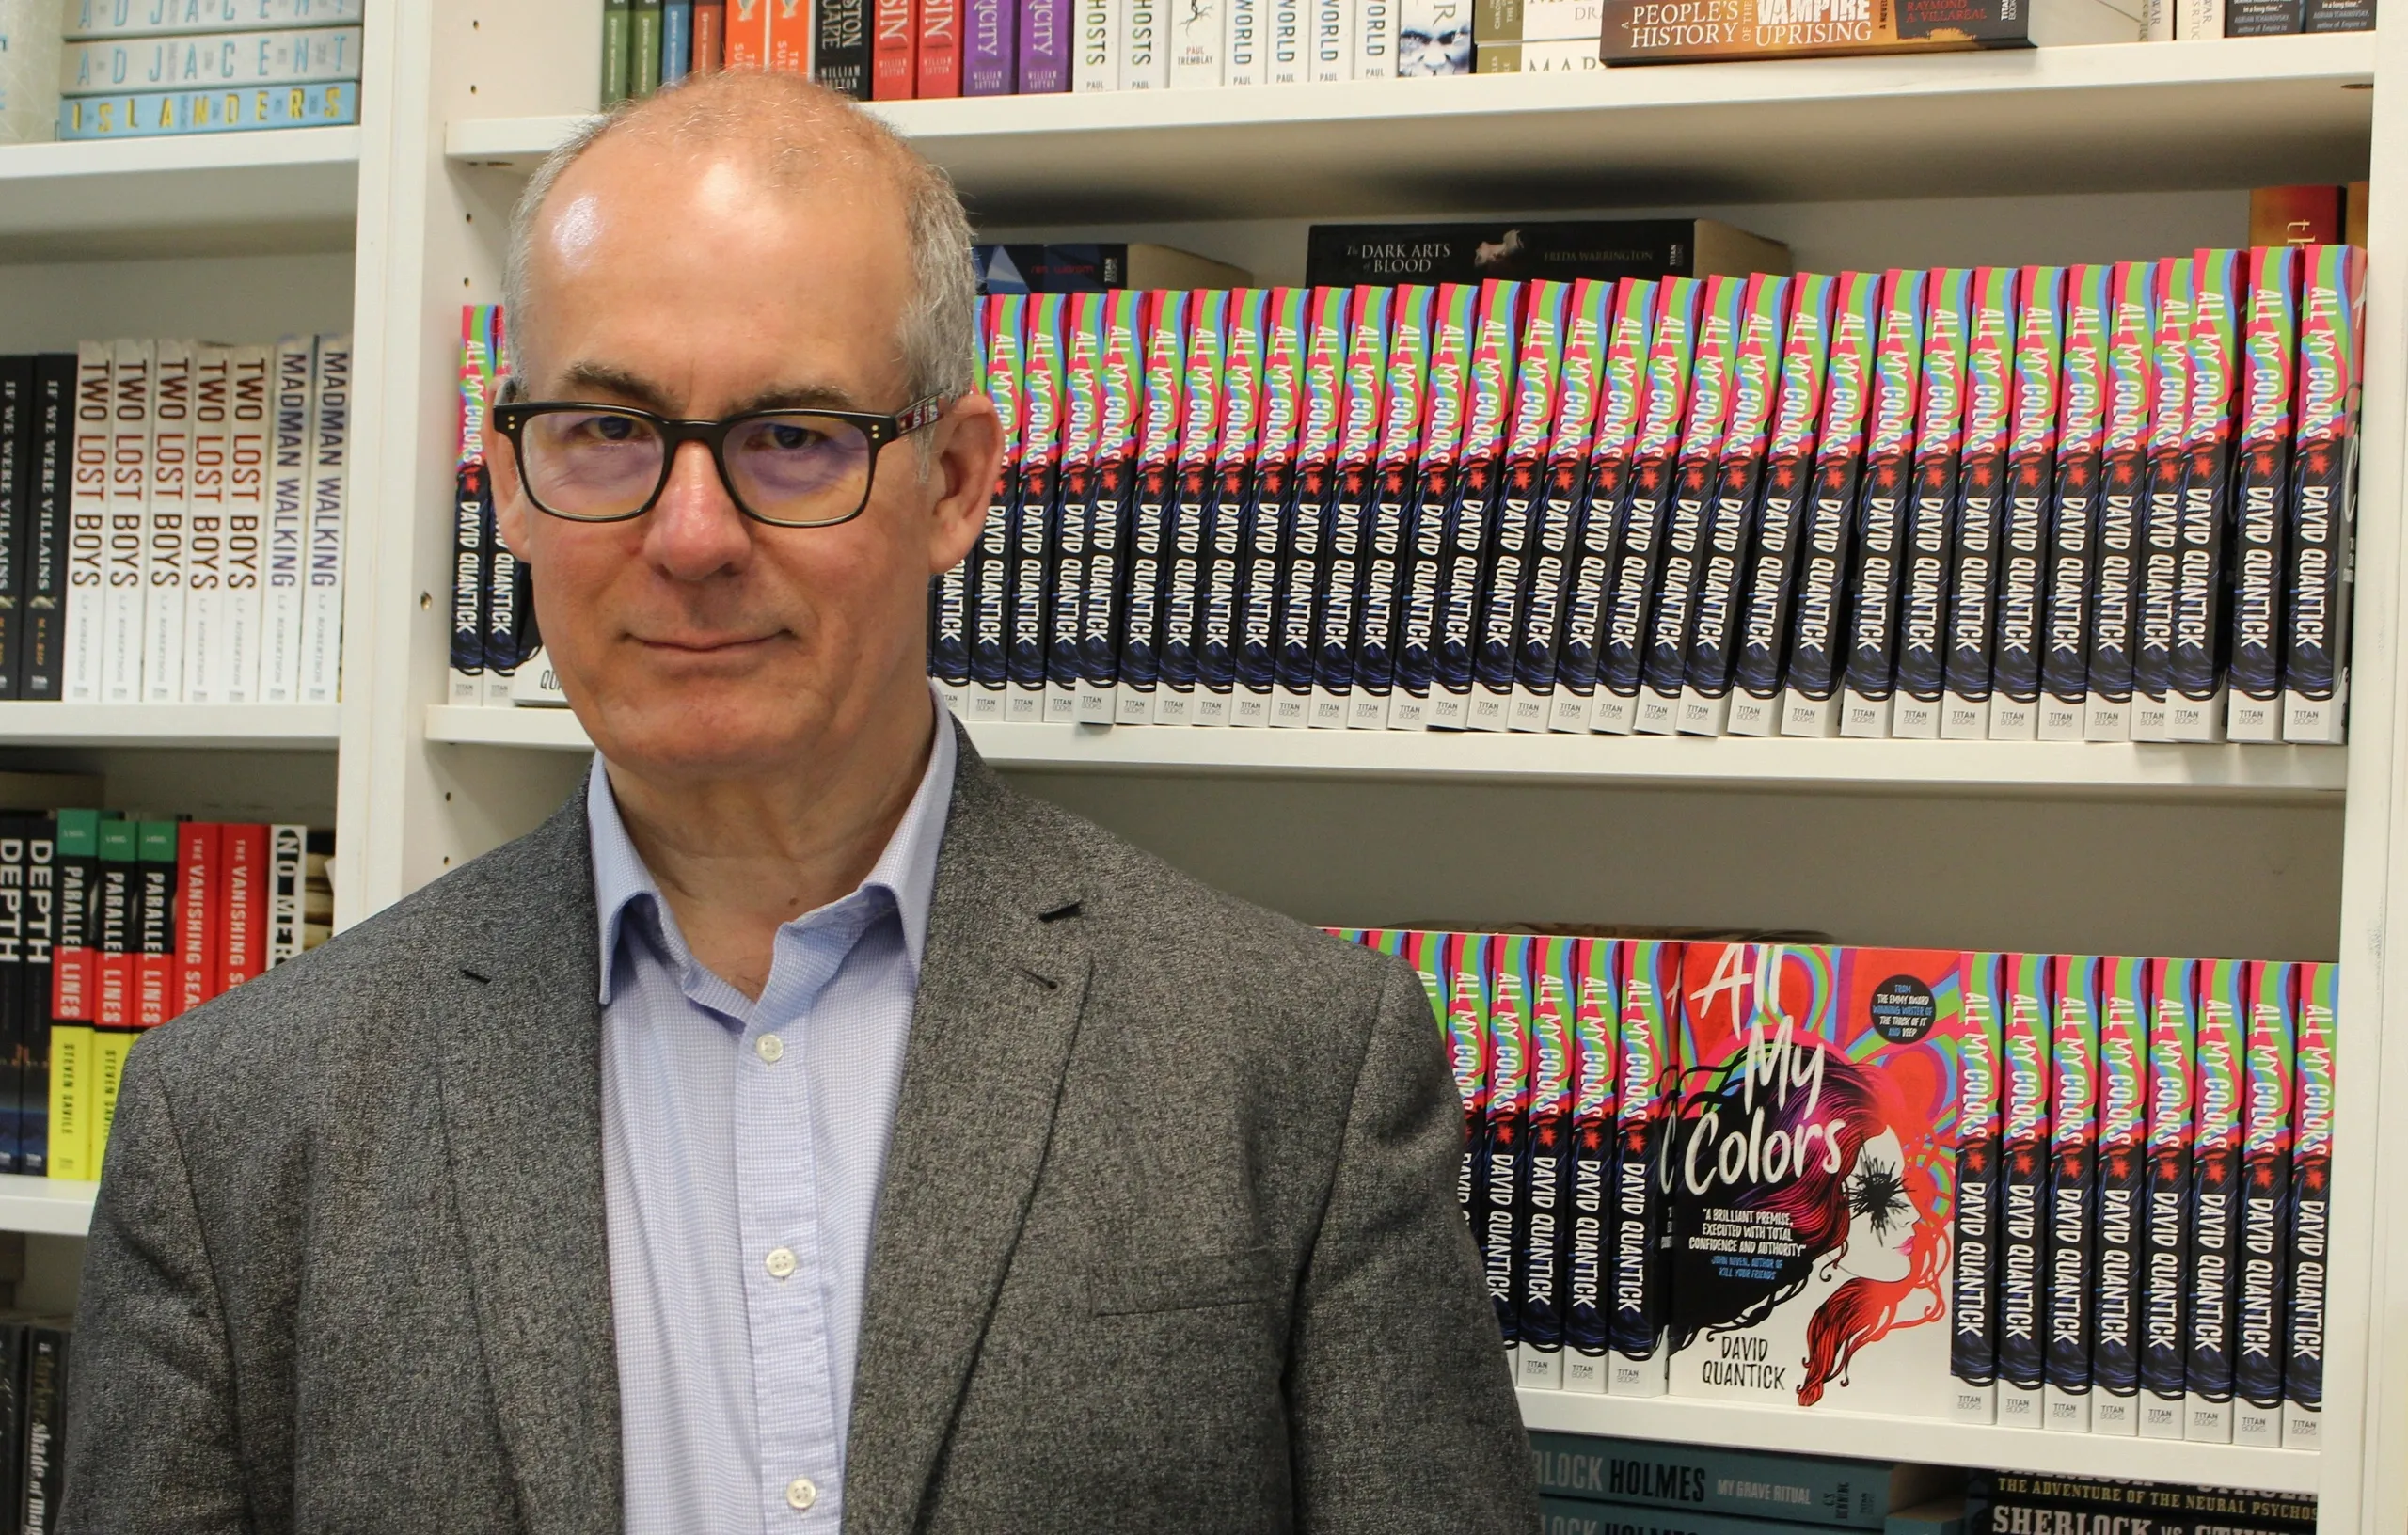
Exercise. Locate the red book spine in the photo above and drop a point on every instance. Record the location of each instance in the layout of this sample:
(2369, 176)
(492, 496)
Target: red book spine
(746, 44)
(938, 27)
(893, 65)
(710, 36)
(244, 951)
(196, 945)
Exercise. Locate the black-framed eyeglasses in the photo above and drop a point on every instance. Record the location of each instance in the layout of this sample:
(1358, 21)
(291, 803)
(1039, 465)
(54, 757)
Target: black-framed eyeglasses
(789, 469)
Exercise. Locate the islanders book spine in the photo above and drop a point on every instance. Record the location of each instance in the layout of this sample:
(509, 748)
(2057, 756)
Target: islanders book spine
(1724, 543)
(1066, 538)
(287, 523)
(46, 542)
(330, 500)
(2161, 529)
(2123, 502)
(2324, 493)
(2267, 1130)
(2311, 1220)
(2073, 517)
(1981, 488)
(2023, 1222)
(43, 902)
(1109, 485)
(2124, 1003)
(1649, 996)
(1286, 328)
(88, 523)
(1819, 627)
(1872, 642)
(2073, 1195)
(2202, 592)
(1587, 329)
(2215, 1183)
(1973, 1309)
(1339, 590)
(132, 385)
(987, 577)
(2261, 477)
(1229, 502)
(2173, 1077)
(1665, 638)
(1470, 516)
(1536, 382)
(2023, 541)
(1301, 579)
(1546, 1160)
(250, 436)
(1387, 536)
(1638, 533)
(1587, 587)
(1768, 579)
(1921, 661)
(1596, 1085)
(1507, 1053)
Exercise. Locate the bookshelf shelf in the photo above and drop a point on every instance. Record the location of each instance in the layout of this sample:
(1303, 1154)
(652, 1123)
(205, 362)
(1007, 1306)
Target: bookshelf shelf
(2305, 773)
(226, 726)
(2225, 113)
(276, 190)
(1863, 1435)
(45, 1207)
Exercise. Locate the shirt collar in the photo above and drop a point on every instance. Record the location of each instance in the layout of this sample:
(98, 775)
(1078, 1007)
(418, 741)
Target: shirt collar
(905, 870)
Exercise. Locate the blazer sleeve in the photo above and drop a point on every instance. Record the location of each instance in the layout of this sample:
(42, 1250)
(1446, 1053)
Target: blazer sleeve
(1402, 1406)
(151, 1437)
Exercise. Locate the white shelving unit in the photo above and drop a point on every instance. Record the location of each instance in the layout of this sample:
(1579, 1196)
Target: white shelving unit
(2285, 853)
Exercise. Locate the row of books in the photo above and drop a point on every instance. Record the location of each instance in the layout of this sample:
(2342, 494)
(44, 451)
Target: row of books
(173, 520)
(2096, 502)
(492, 600)
(2008, 1502)
(122, 69)
(34, 1352)
(2073, 1192)
(1591, 1485)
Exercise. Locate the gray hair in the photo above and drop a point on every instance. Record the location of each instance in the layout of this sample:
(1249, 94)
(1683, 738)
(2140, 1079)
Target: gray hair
(798, 129)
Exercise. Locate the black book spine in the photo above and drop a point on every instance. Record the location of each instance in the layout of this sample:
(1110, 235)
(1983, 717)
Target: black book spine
(1184, 548)
(1726, 560)
(1258, 578)
(2023, 556)
(54, 430)
(1546, 595)
(1417, 650)
(2116, 587)
(1666, 645)
(13, 839)
(17, 414)
(2072, 540)
(1587, 585)
(1225, 545)
(1101, 622)
(988, 586)
(1923, 574)
(1030, 526)
(2159, 581)
(1385, 547)
(1638, 557)
(949, 625)
(45, 1409)
(1464, 562)
(12, 1416)
(1148, 549)
(840, 46)
(1300, 584)
(1505, 572)
(1066, 581)
(1873, 609)
(1341, 583)
(1826, 555)
(44, 910)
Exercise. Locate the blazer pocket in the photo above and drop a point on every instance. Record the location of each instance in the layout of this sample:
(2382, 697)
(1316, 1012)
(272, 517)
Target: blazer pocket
(1183, 1282)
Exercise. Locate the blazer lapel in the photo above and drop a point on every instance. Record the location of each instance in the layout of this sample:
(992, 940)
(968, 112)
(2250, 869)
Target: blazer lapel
(522, 1110)
(1002, 983)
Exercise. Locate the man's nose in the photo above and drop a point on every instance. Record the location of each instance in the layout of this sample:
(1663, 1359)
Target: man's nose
(695, 530)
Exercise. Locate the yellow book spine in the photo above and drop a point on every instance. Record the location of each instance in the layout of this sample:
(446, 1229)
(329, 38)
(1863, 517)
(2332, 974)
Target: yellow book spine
(113, 1044)
(74, 1062)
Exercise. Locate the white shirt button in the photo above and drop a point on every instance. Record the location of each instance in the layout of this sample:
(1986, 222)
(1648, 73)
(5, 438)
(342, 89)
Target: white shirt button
(780, 1262)
(770, 1048)
(801, 1494)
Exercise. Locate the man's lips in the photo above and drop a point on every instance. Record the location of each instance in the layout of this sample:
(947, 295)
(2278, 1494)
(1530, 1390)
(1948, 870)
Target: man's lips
(702, 645)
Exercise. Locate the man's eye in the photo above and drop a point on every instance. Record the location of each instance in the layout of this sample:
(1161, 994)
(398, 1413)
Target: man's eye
(786, 437)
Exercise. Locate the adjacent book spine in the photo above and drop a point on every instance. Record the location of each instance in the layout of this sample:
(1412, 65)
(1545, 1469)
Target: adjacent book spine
(2073, 1199)
(1067, 537)
(2269, 355)
(1712, 385)
(1045, 43)
(1925, 539)
(1881, 510)
(2262, 1242)
(1507, 1052)
(1108, 507)
(2123, 502)
(132, 385)
(1287, 328)
(2023, 1222)
(1228, 500)
(48, 507)
(2073, 526)
(2324, 480)
(1588, 586)
(2196, 681)
(1972, 1352)
(1981, 490)
(321, 655)
(990, 60)
(2124, 1003)
(88, 523)
(2023, 536)
(1651, 984)
(2161, 527)
(2310, 1216)
(1339, 591)
(1188, 523)
(2225, 1006)
(1596, 1073)
(986, 582)
(281, 614)
(1453, 326)
(2173, 1072)
(1724, 544)
(1820, 632)
(1151, 497)
(1479, 485)
(1767, 596)
(1520, 493)
(1545, 1174)
(1387, 535)
(198, 942)
(1639, 537)
(1042, 388)
(937, 64)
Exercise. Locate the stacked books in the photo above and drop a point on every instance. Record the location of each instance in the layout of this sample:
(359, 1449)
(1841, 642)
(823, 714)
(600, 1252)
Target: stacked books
(2070, 1192)
(2098, 503)
(2006, 1500)
(1097, 268)
(1594, 1486)
(172, 521)
(132, 68)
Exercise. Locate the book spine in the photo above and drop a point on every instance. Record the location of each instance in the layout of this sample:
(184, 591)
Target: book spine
(2124, 1005)
(13, 836)
(2123, 502)
(1558, 549)
(43, 899)
(1042, 389)
(1588, 1269)
(2268, 355)
(990, 63)
(2023, 1223)
(936, 42)
(1388, 533)
(1972, 583)
(2173, 1075)
(1332, 51)
(1044, 62)
(2073, 524)
(116, 909)
(132, 388)
(2073, 1195)
(2202, 591)
(644, 46)
(1339, 590)
(1768, 589)
(48, 504)
(677, 40)
(1882, 512)
(2310, 1212)
(1454, 326)
(1638, 536)
(244, 954)
(1724, 548)
(321, 657)
(472, 510)
(74, 1061)
(1507, 1051)
(1241, 42)
(1145, 53)
(895, 67)
(1544, 1175)
(109, 19)
(1149, 507)
(12, 1420)
(986, 582)
(287, 856)
(1197, 33)
(1287, 318)
(47, 1355)
(1649, 997)
(1479, 486)
(1300, 581)
(2262, 1242)
(2215, 1179)
(176, 112)
(1188, 525)
(1665, 639)
(1066, 540)
(1375, 38)
(1464, 962)
(2324, 493)
(1819, 627)
(210, 61)
(1521, 490)
(2160, 530)
(1108, 487)
(154, 964)
(205, 552)
(1102, 28)
(2024, 536)
(198, 942)
(282, 567)
(16, 448)
(88, 523)
(1972, 1345)
(1925, 538)
(787, 36)
(1229, 500)
(1287, 31)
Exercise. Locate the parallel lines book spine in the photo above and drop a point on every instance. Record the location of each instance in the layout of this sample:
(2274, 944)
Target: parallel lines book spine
(2160, 527)
(1109, 490)
(1537, 380)
(1972, 1355)
(2073, 1196)
(2324, 470)
(89, 524)
(1043, 385)
(2263, 1241)
(986, 582)
(1477, 482)
(1621, 391)
(1339, 591)
(1973, 604)
(1821, 636)
(1546, 1161)
(2023, 1225)
(1924, 564)
(1651, 999)
(1638, 534)
(2270, 350)
(1149, 504)
(1387, 536)
(2173, 1077)
(2310, 1221)
(2023, 534)
(2123, 1002)
(2073, 525)
(1231, 500)
(2123, 502)
(330, 500)
(1453, 326)
(2215, 1186)
(1066, 538)
(288, 521)
(156, 947)
(48, 507)
(1286, 330)
(1881, 509)
(1589, 317)
(1723, 545)
(132, 383)
(1712, 385)
(1507, 1048)
(1596, 1073)
(2195, 683)
(1766, 600)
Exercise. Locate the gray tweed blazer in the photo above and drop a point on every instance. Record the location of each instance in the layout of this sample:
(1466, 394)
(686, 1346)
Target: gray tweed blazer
(1167, 1240)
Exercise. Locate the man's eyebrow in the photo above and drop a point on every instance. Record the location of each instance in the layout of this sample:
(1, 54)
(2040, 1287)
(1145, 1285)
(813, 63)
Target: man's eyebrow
(603, 378)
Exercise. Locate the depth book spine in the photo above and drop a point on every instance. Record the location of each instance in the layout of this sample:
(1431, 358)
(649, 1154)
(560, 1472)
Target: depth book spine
(2073, 518)
(1972, 583)
(1881, 509)
(329, 497)
(1596, 1083)
(1477, 482)
(1924, 563)
(1286, 326)
(1067, 539)
(88, 523)
(2195, 683)
(288, 521)
(2073, 1149)
(1387, 535)
(13, 836)
(1665, 639)
(1108, 506)
(133, 380)
(1589, 318)
(2161, 527)
(1546, 1162)
(1973, 1309)
(1339, 590)
(2123, 502)
(1184, 532)
(1731, 513)
(2023, 1223)
(1638, 535)
(1508, 1052)
(1587, 587)
(2324, 494)
(2269, 351)
(1149, 504)
(2310, 1208)
(1819, 627)
(1521, 489)
(47, 508)
(2123, 1134)
(987, 583)
(32, 1046)
(1230, 499)
(2023, 536)
(1651, 985)
(2262, 1244)
(1760, 647)
(1308, 512)
(2215, 1186)
(2173, 1092)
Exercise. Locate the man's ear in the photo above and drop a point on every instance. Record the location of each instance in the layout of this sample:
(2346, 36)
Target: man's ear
(969, 452)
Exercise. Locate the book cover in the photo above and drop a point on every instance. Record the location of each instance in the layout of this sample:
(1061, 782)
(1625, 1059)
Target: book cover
(1981, 490)
(116, 913)
(2269, 352)
(1067, 539)
(197, 940)
(1973, 1296)
(2003, 1500)
(1596, 1087)
(132, 388)
(989, 58)
(1814, 1175)
(2160, 525)
(1347, 510)
(2123, 1002)
(1044, 51)
(1761, 648)
(1820, 632)
(1434, 36)
(50, 485)
(1187, 520)
(2173, 1095)
(286, 533)
(1110, 481)
(1196, 29)
(2123, 502)
(2073, 1195)
(937, 48)
(1719, 1481)
(1228, 504)
(1589, 319)
(471, 506)
(2195, 683)
(1029, 520)
(986, 581)
(1287, 320)
(1712, 385)
(208, 61)
(2073, 532)
(1888, 482)
(2209, 1264)
(1647, 1045)
(2262, 1246)
(2310, 1215)
(1613, 250)
(2324, 480)
(1479, 484)
(2023, 534)
(32, 1045)
(893, 67)
(1388, 534)
(1506, 1051)
(1546, 1175)
(1537, 380)
(88, 539)
(1454, 325)
(2024, 1034)
(1731, 513)
(1622, 392)
(329, 497)
(154, 936)
(1921, 661)
(1645, 506)
(206, 530)
(243, 953)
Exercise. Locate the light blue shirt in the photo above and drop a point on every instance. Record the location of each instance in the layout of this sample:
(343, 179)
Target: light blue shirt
(742, 1147)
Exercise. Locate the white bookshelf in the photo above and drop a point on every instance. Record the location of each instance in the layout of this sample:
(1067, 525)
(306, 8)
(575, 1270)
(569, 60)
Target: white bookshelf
(213, 726)
(144, 196)
(47, 1206)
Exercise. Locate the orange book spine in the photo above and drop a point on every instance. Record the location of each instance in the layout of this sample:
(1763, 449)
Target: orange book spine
(788, 49)
(746, 46)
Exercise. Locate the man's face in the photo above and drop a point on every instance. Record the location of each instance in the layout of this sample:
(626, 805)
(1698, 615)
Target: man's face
(694, 643)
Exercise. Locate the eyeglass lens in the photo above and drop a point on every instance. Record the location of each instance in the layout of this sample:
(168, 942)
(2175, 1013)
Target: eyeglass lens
(790, 469)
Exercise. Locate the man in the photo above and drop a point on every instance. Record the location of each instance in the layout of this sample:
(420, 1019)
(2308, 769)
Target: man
(799, 1130)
